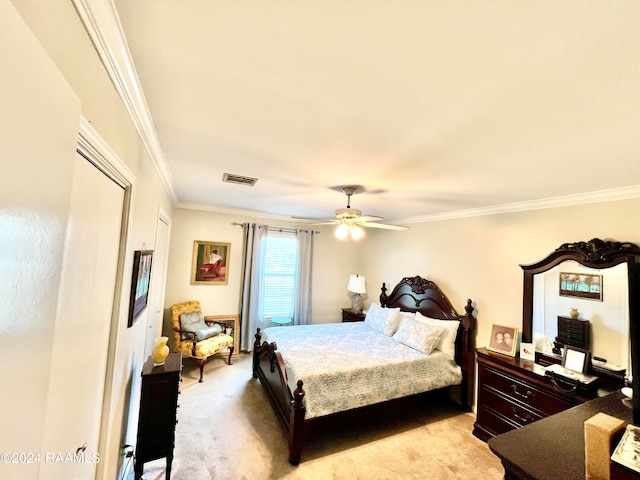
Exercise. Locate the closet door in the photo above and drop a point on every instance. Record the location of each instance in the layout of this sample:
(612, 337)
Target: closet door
(82, 325)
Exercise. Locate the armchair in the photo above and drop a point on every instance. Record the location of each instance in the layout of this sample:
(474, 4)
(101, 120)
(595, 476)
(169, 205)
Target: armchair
(195, 337)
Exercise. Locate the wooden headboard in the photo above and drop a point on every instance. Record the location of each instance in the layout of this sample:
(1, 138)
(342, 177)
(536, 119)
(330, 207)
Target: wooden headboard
(417, 294)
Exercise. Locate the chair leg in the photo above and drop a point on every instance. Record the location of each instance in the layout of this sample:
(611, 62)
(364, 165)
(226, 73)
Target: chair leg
(230, 353)
(201, 362)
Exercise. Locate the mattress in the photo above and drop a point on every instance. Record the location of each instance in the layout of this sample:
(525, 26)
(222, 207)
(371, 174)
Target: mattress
(350, 365)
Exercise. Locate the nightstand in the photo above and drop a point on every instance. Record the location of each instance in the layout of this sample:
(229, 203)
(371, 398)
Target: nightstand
(351, 315)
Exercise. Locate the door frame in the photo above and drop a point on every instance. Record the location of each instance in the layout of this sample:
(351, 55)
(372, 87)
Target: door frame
(92, 147)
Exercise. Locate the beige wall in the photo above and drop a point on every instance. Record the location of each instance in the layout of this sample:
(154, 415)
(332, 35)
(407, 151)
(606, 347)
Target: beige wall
(52, 75)
(479, 257)
(334, 261)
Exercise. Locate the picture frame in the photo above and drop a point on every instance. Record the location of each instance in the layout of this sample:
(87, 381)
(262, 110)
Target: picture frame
(140, 281)
(231, 325)
(581, 285)
(576, 359)
(503, 339)
(527, 351)
(210, 263)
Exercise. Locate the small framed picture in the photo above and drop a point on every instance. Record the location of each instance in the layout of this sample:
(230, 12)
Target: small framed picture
(576, 359)
(503, 340)
(527, 351)
(141, 278)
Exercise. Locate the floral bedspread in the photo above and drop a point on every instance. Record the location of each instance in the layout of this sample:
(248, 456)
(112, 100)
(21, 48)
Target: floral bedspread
(349, 365)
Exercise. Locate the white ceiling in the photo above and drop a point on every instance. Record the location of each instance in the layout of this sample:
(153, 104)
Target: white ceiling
(434, 107)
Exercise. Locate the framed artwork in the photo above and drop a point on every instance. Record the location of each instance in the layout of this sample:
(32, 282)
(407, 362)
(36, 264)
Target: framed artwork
(231, 326)
(140, 279)
(503, 340)
(575, 359)
(210, 263)
(581, 285)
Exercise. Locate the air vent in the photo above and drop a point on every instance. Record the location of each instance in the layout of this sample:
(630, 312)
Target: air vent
(239, 179)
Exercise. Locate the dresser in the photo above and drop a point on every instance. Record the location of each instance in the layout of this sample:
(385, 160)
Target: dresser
(513, 393)
(158, 412)
(351, 315)
(554, 447)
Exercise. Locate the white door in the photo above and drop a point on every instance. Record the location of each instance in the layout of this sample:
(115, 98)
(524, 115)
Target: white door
(158, 281)
(82, 325)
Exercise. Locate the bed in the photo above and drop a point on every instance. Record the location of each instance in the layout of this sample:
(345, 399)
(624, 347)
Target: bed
(312, 373)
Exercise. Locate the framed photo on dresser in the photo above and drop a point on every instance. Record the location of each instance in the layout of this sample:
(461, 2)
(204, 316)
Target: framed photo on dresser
(503, 340)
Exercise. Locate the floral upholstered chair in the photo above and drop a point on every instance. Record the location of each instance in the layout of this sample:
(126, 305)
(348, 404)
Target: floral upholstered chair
(195, 337)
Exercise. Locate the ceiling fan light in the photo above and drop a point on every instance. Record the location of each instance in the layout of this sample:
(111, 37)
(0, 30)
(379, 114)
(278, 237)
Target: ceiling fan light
(357, 232)
(342, 231)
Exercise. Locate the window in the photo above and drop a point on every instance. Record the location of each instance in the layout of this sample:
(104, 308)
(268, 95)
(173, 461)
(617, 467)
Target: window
(279, 274)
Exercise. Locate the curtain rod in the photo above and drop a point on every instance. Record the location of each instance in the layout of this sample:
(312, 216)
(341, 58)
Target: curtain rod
(273, 229)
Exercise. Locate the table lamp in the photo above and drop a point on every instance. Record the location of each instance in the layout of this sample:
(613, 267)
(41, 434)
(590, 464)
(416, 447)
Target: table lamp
(356, 286)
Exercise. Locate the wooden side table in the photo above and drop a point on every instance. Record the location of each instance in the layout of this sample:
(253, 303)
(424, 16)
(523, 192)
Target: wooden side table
(351, 315)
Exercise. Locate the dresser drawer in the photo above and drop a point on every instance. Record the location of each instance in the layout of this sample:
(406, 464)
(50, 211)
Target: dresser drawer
(491, 423)
(516, 413)
(545, 403)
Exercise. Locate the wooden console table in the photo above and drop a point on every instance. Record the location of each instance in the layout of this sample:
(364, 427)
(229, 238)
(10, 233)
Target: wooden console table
(554, 446)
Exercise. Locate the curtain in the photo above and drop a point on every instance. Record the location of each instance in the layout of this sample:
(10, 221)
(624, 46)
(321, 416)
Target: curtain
(250, 308)
(251, 303)
(302, 315)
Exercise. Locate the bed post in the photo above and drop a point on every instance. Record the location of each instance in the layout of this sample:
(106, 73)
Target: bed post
(256, 357)
(467, 360)
(296, 425)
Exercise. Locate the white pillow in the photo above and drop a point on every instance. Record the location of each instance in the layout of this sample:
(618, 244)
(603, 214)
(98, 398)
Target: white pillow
(447, 342)
(418, 335)
(402, 315)
(381, 319)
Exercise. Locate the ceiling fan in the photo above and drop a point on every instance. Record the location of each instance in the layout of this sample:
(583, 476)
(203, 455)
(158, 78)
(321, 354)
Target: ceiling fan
(350, 220)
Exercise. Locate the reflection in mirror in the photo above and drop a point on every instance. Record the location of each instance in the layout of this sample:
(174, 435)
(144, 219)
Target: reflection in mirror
(608, 318)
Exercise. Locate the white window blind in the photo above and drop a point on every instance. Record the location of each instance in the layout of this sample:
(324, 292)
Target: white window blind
(281, 253)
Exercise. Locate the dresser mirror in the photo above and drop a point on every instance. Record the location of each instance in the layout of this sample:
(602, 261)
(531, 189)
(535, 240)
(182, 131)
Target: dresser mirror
(613, 311)
(608, 312)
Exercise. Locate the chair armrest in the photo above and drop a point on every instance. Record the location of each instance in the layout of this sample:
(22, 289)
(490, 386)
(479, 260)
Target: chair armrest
(186, 333)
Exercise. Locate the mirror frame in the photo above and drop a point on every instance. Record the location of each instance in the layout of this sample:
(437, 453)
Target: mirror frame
(595, 253)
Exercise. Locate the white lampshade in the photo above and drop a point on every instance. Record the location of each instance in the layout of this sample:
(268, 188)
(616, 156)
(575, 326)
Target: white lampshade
(356, 284)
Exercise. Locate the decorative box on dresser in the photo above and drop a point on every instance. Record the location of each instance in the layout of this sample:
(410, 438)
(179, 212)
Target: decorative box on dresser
(351, 315)
(158, 412)
(513, 393)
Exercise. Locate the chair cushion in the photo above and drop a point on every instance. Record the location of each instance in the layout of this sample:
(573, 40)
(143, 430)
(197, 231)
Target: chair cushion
(194, 322)
(206, 348)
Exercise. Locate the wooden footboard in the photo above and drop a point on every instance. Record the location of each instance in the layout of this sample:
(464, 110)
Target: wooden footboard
(269, 368)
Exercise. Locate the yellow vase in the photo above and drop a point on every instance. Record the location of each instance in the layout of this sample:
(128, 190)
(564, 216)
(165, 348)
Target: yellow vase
(160, 351)
(574, 313)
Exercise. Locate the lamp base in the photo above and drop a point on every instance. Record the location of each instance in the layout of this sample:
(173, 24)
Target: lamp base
(356, 302)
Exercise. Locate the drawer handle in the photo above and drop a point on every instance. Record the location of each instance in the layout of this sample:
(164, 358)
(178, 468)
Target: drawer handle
(525, 419)
(520, 394)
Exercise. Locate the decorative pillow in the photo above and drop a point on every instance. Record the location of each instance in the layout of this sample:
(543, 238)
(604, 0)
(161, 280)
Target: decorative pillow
(418, 335)
(403, 315)
(194, 322)
(447, 342)
(381, 319)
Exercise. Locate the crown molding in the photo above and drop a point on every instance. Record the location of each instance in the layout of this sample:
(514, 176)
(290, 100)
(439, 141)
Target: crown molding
(233, 211)
(103, 26)
(624, 193)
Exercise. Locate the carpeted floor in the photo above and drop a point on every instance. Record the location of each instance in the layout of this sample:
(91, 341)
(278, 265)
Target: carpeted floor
(227, 430)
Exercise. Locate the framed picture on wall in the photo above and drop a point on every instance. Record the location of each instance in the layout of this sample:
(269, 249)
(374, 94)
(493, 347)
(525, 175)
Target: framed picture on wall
(210, 263)
(140, 280)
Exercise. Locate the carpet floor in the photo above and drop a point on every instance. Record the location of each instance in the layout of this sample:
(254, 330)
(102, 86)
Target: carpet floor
(227, 430)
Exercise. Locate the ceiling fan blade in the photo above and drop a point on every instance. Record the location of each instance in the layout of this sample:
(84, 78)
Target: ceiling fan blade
(318, 221)
(383, 225)
(367, 218)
